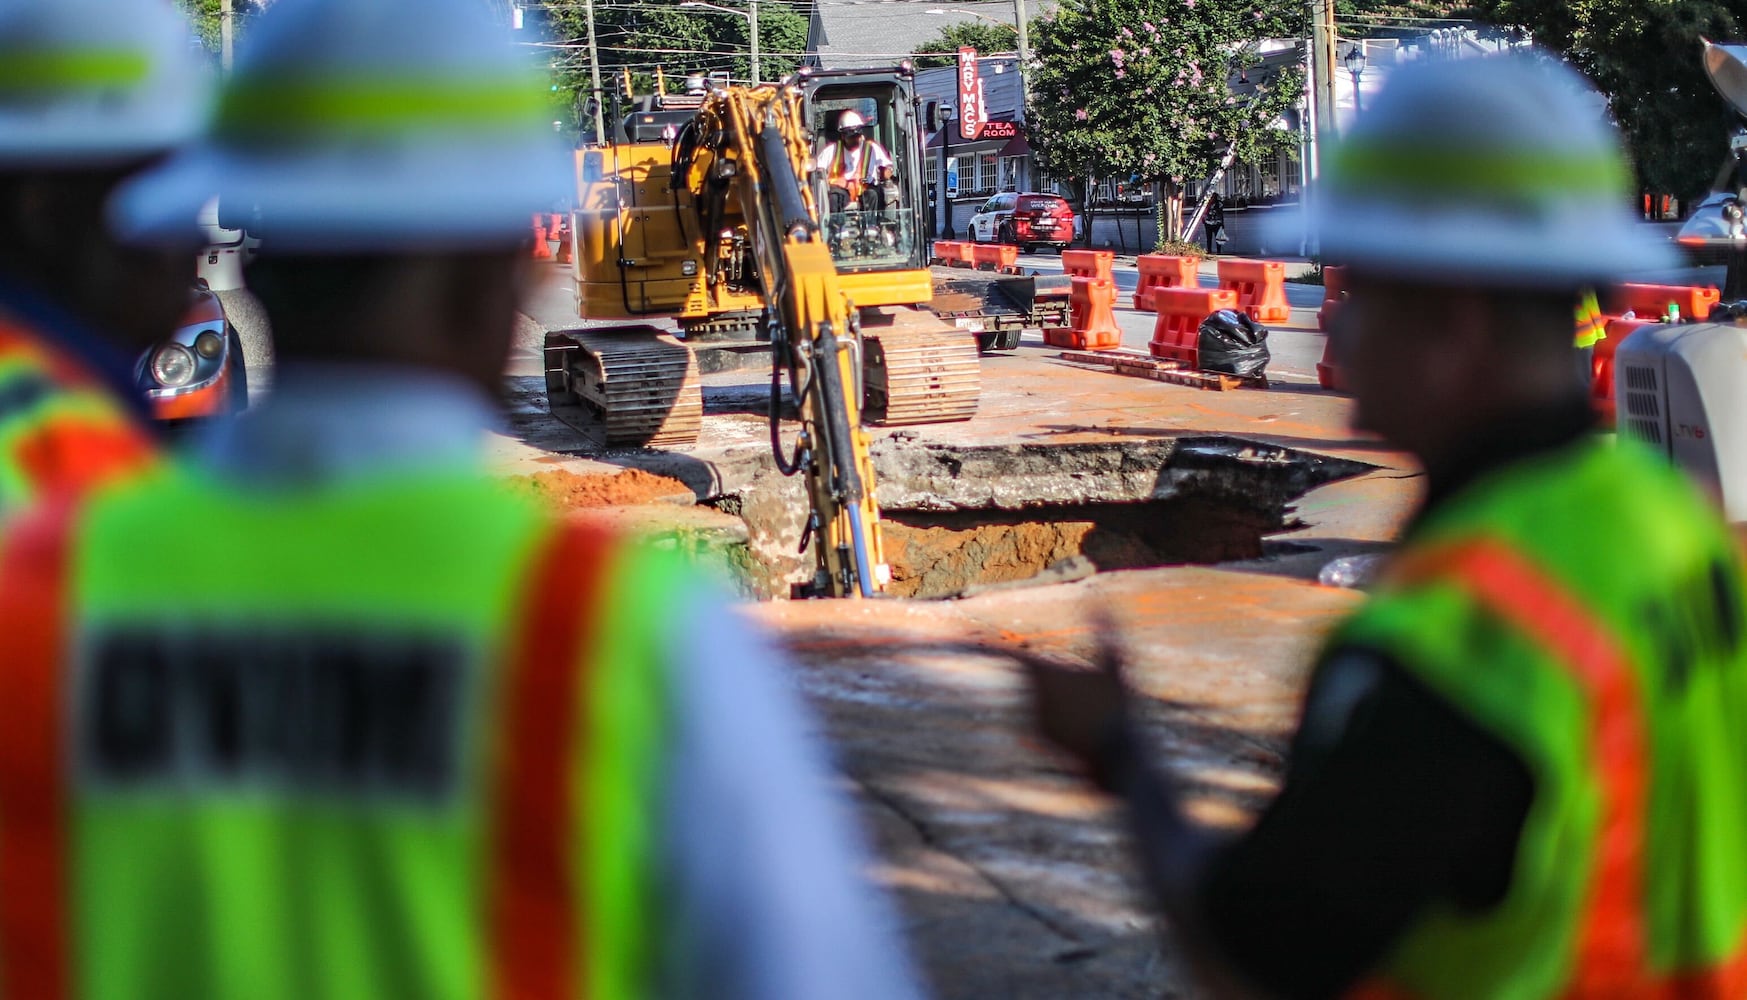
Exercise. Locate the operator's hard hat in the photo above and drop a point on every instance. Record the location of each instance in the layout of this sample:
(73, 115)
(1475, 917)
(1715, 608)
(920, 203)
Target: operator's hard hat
(378, 126)
(1500, 171)
(92, 82)
(849, 120)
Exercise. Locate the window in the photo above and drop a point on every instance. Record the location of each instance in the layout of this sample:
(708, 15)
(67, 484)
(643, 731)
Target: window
(931, 173)
(988, 169)
(1009, 173)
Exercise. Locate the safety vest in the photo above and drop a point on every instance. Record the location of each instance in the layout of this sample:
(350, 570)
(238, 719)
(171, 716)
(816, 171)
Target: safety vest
(402, 739)
(1591, 324)
(59, 427)
(1586, 610)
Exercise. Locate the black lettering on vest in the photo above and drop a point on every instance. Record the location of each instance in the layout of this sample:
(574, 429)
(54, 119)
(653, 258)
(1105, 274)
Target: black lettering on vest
(325, 713)
(21, 393)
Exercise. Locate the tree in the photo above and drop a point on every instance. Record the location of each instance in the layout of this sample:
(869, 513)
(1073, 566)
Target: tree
(1644, 56)
(1143, 88)
(983, 36)
(204, 17)
(642, 36)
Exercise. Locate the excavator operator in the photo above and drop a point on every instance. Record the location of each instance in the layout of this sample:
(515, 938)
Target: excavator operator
(859, 169)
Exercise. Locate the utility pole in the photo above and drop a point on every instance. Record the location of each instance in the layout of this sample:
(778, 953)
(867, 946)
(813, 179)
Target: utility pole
(752, 29)
(226, 32)
(594, 69)
(1024, 57)
(1322, 69)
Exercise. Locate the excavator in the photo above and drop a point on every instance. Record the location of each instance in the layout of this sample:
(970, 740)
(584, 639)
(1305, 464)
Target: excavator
(657, 238)
(737, 170)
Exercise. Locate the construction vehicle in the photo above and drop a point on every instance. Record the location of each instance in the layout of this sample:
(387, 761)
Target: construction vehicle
(738, 171)
(1678, 385)
(655, 239)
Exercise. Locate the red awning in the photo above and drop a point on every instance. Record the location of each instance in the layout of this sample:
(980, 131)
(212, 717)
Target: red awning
(1019, 145)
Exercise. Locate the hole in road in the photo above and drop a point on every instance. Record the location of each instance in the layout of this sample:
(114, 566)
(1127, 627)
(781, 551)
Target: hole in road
(961, 519)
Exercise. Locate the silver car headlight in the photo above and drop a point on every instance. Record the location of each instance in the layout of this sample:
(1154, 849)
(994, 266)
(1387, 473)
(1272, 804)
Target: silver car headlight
(173, 365)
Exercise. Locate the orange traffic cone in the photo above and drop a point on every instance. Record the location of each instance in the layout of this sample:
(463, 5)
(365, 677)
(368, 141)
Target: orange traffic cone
(542, 249)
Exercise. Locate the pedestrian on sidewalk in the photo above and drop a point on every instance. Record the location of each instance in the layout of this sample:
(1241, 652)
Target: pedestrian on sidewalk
(334, 713)
(91, 91)
(1519, 770)
(1214, 224)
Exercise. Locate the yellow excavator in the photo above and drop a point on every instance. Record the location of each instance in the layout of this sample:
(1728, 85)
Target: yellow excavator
(659, 239)
(737, 173)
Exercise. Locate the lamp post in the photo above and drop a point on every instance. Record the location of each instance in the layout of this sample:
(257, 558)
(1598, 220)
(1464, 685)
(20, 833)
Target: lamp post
(1355, 61)
(751, 16)
(1024, 46)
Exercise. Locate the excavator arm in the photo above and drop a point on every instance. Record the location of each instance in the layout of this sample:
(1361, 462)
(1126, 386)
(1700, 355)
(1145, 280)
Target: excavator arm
(745, 157)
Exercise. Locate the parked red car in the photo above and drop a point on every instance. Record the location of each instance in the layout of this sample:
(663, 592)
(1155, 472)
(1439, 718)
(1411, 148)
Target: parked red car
(199, 371)
(1027, 220)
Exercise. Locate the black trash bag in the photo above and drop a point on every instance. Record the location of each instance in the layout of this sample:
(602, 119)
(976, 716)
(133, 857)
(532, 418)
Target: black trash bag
(1233, 343)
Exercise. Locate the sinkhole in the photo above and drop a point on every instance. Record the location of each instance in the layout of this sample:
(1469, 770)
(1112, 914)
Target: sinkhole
(961, 519)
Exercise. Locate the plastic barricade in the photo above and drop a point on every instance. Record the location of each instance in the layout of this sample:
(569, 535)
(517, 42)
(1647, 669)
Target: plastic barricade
(1601, 387)
(1089, 263)
(1159, 270)
(1177, 331)
(945, 251)
(994, 257)
(1652, 301)
(1260, 286)
(542, 249)
(1091, 317)
(1334, 292)
(1328, 374)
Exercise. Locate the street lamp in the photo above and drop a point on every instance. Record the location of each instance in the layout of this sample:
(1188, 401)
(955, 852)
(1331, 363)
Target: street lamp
(1024, 45)
(1356, 66)
(751, 26)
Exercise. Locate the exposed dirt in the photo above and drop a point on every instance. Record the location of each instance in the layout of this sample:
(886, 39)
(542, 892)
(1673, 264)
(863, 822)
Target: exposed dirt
(572, 491)
(938, 553)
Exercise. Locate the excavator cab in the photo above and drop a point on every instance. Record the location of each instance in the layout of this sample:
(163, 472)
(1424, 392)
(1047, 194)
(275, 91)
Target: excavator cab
(869, 197)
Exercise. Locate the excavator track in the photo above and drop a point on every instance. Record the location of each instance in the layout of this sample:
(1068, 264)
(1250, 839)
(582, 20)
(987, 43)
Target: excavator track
(629, 386)
(919, 370)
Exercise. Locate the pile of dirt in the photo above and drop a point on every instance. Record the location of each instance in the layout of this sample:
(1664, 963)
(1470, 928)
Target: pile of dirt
(572, 491)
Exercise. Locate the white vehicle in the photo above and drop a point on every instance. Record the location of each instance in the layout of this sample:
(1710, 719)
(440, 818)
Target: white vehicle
(1027, 220)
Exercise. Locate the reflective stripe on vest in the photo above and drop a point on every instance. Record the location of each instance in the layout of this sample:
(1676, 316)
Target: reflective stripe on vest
(535, 922)
(1611, 959)
(33, 793)
(1591, 327)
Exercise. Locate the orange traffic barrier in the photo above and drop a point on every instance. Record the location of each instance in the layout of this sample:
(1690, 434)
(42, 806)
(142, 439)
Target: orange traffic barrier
(1260, 286)
(1652, 301)
(994, 256)
(1089, 263)
(565, 253)
(1601, 386)
(946, 251)
(542, 249)
(1328, 374)
(1334, 292)
(1177, 331)
(1159, 270)
(1091, 318)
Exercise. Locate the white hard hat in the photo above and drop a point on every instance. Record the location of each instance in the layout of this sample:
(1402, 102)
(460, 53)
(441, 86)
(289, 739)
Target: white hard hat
(366, 126)
(849, 120)
(1500, 171)
(91, 82)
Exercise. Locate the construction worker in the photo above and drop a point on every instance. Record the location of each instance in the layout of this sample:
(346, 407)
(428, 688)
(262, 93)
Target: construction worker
(334, 713)
(90, 91)
(1591, 330)
(1519, 771)
(856, 167)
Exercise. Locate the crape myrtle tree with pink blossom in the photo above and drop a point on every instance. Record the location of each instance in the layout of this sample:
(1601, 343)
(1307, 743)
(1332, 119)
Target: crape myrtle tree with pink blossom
(1143, 88)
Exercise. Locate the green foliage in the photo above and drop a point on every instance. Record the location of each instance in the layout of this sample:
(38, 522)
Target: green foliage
(980, 35)
(1142, 88)
(1181, 248)
(647, 35)
(1644, 55)
(203, 17)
